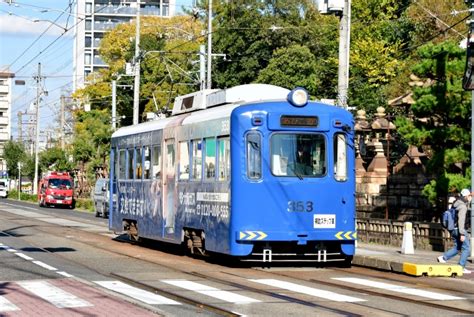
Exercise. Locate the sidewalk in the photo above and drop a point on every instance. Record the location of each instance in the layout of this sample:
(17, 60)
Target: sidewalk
(390, 258)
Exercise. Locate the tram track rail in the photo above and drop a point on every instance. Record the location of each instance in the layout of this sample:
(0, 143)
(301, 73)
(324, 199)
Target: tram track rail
(223, 312)
(381, 294)
(176, 297)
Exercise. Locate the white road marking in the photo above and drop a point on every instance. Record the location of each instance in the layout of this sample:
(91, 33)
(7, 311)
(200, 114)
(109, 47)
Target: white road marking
(308, 290)
(53, 294)
(211, 291)
(397, 288)
(44, 265)
(6, 305)
(54, 220)
(65, 274)
(134, 292)
(24, 256)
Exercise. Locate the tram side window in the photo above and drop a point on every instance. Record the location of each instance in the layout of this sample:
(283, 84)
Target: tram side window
(183, 168)
(340, 157)
(210, 159)
(169, 159)
(122, 164)
(254, 155)
(156, 161)
(146, 162)
(224, 158)
(138, 165)
(116, 163)
(197, 159)
(130, 163)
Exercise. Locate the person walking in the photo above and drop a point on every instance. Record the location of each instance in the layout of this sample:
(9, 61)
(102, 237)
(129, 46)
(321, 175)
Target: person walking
(460, 235)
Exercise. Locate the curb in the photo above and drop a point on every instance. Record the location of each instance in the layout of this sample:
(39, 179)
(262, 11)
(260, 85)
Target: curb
(380, 264)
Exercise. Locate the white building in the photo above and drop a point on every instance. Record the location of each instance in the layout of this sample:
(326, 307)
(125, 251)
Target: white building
(6, 80)
(95, 17)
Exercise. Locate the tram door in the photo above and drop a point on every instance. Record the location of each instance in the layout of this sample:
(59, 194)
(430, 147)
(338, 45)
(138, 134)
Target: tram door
(169, 187)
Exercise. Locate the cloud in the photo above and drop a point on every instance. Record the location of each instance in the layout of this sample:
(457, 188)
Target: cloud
(15, 25)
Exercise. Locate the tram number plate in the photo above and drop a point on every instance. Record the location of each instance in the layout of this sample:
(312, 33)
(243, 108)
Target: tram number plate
(324, 221)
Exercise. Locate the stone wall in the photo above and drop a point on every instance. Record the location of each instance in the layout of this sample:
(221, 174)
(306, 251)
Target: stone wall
(426, 236)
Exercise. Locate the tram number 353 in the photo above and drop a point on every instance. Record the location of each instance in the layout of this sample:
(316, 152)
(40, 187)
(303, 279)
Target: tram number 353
(300, 206)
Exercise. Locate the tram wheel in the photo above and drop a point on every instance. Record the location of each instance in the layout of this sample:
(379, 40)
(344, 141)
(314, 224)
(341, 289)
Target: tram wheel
(347, 263)
(133, 232)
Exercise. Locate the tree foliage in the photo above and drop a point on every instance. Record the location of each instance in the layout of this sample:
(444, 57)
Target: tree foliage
(167, 45)
(288, 43)
(441, 115)
(14, 153)
(54, 159)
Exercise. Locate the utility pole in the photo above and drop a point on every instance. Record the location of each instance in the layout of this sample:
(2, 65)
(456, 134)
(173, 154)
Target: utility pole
(209, 46)
(38, 79)
(468, 84)
(20, 126)
(63, 120)
(469, 50)
(136, 89)
(114, 105)
(340, 8)
(19, 180)
(202, 67)
(344, 44)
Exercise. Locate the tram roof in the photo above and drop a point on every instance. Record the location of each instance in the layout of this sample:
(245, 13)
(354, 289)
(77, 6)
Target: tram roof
(219, 104)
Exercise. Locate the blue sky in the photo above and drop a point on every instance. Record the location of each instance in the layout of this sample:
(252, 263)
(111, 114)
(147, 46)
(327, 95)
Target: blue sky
(28, 37)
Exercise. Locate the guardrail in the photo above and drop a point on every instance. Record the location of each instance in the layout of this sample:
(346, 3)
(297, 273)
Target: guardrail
(426, 236)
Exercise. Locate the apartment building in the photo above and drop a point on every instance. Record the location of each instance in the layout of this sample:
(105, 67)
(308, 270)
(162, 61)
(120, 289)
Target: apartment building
(6, 82)
(95, 17)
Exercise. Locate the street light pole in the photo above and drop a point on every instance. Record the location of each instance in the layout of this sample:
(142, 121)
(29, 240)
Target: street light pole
(114, 105)
(209, 46)
(344, 44)
(472, 170)
(136, 89)
(19, 180)
(38, 93)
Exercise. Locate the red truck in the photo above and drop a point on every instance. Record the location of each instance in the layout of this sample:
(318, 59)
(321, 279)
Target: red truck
(56, 188)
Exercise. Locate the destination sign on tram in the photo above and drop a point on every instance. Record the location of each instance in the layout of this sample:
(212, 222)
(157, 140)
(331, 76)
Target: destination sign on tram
(299, 121)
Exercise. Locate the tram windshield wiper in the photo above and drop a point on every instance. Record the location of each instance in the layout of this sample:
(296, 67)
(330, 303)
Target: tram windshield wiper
(297, 174)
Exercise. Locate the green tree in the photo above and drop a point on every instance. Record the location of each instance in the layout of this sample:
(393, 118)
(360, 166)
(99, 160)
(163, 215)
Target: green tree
(14, 153)
(168, 47)
(291, 67)
(91, 146)
(441, 117)
(54, 159)
(249, 32)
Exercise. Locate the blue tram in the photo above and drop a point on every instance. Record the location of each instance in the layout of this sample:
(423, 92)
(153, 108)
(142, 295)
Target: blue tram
(254, 171)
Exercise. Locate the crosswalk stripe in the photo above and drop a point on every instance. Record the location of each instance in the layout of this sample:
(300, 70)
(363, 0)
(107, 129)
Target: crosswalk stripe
(53, 294)
(6, 305)
(139, 294)
(44, 265)
(24, 256)
(64, 274)
(397, 288)
(308, 290)
(211, 291)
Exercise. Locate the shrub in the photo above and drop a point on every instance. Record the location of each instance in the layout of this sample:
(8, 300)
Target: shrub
(84, 203)
(13, 194)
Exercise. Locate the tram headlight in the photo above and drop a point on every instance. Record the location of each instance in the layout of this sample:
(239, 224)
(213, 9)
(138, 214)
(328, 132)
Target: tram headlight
(298, 97)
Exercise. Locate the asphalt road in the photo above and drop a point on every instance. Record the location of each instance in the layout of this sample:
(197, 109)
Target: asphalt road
(63, 262)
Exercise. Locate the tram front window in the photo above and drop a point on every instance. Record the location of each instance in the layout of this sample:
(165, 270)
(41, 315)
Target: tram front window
(298, 155)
